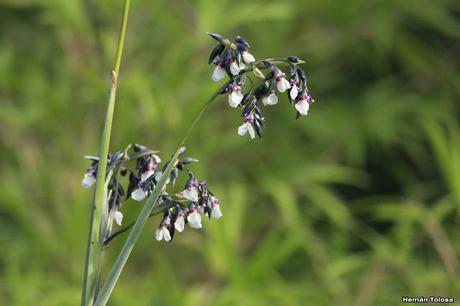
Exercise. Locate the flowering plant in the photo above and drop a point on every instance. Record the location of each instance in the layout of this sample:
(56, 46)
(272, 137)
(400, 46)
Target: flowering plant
(116, 181)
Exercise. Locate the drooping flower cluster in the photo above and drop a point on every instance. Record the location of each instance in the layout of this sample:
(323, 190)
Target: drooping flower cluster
(194, 200)
(232, 59)
(185, 207)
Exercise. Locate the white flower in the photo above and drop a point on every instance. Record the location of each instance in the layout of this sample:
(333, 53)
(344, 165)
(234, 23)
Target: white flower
(294, 91)
(234, 99)
(118, 216)
(215, 211)
(163, 233)
(218, 73)
(234, 68)
(190, 194)
(302, 107)
(146, 175)
(139, 194)
(248, 57)
(88, 180)
(246, 127)
(271, 99)
(242, 66)
(194, 219)
(180, 223)
(282, 84)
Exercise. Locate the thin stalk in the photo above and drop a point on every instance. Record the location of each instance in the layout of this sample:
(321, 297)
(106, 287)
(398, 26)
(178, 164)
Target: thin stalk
(95, 239)
(200, 113)
(152, 201)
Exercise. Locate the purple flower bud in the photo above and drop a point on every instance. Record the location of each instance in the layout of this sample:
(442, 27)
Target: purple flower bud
(249, 118)
(241, 41)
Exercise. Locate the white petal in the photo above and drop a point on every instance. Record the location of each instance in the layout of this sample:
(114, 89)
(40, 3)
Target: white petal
(302, 107)
(215, 212)
(180, 223)
(280, 86)
(265, 100)
(243, 129)
(286, 83)
(118, 217)
(88, 180)
(234, 68)
(294, 92)
(156, 158)
(159, 234)
(283, 84)
(146, 175)
(138, 194)
(190, 194)
(252, 133)
(242, 66)
(166, 234)
(234, 99)
(248, 57)
(194, 219)
(272, 99)
(218, 73)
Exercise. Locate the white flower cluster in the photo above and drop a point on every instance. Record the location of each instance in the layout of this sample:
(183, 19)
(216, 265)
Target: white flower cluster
(201, 202)
(186, 207)
(233, 59)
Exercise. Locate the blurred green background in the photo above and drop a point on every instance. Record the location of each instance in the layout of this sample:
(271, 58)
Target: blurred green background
(356, 204)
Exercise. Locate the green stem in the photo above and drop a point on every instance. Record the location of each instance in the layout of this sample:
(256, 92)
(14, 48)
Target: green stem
(112, 279)
(95, 239)
(199, 115)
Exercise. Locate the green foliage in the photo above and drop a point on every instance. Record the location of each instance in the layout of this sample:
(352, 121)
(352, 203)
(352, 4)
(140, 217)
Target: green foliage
(357, 204)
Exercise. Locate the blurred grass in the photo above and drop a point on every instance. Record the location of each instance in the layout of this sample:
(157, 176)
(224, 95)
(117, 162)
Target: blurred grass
(358, 204)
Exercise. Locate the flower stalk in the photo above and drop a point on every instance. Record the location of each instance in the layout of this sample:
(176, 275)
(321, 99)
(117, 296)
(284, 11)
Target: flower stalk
(94, 251)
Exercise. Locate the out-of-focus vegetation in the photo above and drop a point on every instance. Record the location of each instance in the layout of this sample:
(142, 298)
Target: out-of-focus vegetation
(357, 204)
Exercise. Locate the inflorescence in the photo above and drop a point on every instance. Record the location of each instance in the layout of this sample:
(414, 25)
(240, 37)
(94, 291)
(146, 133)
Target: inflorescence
(233, 59)
(184, 207)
